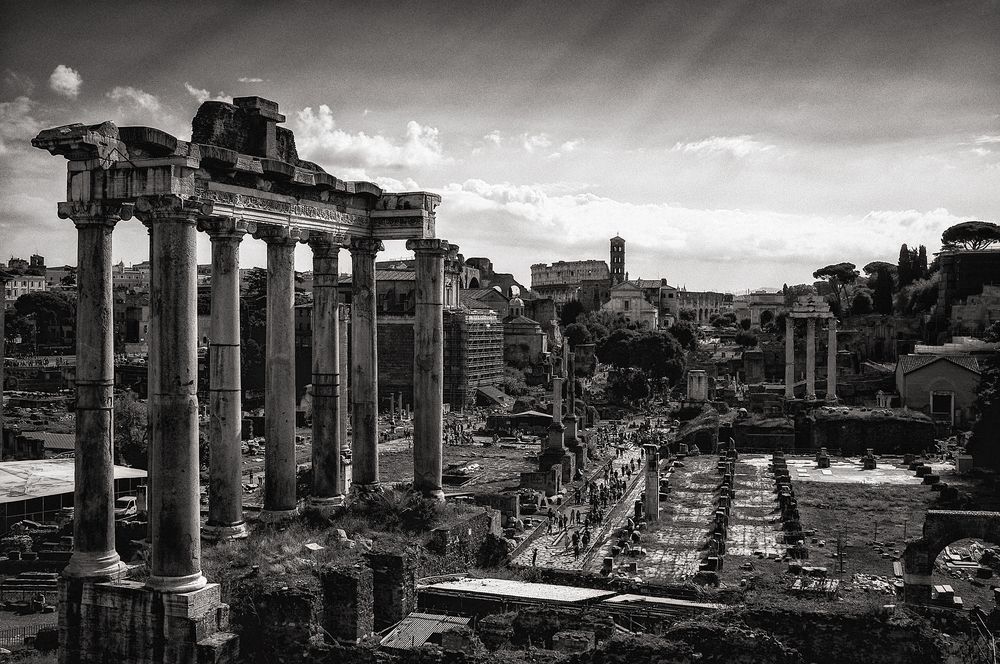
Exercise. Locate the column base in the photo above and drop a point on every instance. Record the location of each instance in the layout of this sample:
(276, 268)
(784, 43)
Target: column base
(89, 565)
(331, 501)
(434, 494)
(176, 584)
(277, 516)
(832, 399)
(213, 533)
(366, 489)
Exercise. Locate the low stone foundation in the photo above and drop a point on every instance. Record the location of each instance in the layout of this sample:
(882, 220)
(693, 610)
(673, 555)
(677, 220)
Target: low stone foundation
(127, 623)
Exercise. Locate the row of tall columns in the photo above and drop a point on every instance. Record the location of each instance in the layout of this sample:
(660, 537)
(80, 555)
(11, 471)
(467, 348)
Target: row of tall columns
(175, 531)
(831, 374)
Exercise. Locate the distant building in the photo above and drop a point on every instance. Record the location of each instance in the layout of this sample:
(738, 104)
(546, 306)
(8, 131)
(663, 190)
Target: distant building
(617, 258)
(22, 284)
(628, 299)
(129, 278)
(705, 304)
(561, 281)
(942, 386)
(977, 312)
(54, 276)
(964, 273)
(525, 342)
(761, 307)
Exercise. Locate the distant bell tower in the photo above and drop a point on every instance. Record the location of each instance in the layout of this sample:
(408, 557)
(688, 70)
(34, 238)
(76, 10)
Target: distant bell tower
(617, 260)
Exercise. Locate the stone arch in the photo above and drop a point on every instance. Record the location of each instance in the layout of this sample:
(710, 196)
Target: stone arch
(941, 528)
(766, 316)
(473, 283)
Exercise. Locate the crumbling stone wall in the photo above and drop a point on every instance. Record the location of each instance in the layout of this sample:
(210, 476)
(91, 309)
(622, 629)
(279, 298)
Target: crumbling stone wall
(394, 581)
(348, 602)
(463, 545)
(886, 434)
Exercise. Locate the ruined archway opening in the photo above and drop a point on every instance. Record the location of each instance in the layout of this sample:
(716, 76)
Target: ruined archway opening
(966, 573)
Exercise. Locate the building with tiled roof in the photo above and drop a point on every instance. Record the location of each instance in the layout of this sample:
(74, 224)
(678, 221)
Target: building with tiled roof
(943, 386)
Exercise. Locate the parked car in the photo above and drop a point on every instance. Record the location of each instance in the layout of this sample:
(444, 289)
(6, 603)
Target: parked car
(125, 507)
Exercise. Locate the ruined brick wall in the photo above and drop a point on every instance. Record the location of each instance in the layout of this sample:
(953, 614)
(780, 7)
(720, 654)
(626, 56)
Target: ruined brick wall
(395, 356)
(394, 578)
(460, 546)
(348, 602)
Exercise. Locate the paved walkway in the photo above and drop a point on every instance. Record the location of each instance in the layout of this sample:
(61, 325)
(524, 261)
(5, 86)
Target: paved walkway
(555, 550)
(754, 522)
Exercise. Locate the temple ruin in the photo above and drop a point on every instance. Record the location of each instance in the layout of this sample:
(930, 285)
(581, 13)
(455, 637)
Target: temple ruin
(239, 176)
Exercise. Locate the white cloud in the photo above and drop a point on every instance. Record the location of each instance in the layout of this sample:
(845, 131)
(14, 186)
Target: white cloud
(738, 146)
(981, 152)
(493, 137)
(65, 81)
(986, 139)
(570, 146)
(320, 140)
(532, 142)
(16, 122)
(203, 95)
(135, 97)
(21, 84)
(249, 79)
(523, 224)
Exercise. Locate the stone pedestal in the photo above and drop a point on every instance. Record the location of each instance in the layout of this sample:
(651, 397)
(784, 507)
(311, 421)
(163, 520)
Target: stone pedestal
(128, 623)
(225, 490)
(175, 510)
(327, 486)
(94, 552)
(279, 374)
(364, 362)
(428, 366)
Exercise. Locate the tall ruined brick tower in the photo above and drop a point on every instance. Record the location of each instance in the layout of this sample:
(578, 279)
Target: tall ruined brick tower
(617, 260)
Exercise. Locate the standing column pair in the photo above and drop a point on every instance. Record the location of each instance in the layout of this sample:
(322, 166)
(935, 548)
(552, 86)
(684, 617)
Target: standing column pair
(225, 489)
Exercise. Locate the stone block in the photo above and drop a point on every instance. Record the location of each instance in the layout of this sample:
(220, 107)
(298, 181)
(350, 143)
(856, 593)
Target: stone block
(573, 641)
(931, 478)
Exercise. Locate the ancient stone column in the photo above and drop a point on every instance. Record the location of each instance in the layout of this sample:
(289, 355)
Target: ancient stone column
(810, 359)
(94, 552)
(343, 404)
(428, 365)
(570, 419)
(652, 483)
(327, 486)
(789, 358)
(225, 401)
(3, 312)
(831, 360)
(557, 429)
(364, 362)
(279, 373)
(175, 514)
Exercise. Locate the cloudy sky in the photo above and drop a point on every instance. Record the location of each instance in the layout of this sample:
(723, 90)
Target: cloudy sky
(733, 144)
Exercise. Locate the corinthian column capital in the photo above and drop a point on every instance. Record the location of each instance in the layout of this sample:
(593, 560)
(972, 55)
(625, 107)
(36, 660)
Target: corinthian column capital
(325, 245)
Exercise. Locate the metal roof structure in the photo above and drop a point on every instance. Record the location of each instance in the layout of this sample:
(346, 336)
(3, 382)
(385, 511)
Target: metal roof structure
(53, 441)
(500, 588)
(23, 480)
(416, 629)
(910, 363)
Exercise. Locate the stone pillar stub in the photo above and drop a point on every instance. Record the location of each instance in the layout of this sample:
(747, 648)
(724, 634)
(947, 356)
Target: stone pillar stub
(94, 554)
(364, 363)
(428, 366)
(652, 506)
(175, 513)
(279, 374)
(831, 360)
(225, 489)
(327, 486)
(811, 359)
(789, 358)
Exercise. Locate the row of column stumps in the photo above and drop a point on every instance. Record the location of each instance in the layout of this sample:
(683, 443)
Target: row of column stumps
(175, 529)
(831, 370)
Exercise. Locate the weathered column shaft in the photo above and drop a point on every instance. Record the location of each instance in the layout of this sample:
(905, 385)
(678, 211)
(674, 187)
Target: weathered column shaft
(343, 315)
(570, 420)
(364, 362)
(279, 374)
(428, 365)
(327, 487)
(810, 358)
(94, 552)
(652, 483)
(225, 489)
(557, 430)
(173, 399)
(831, 360)
(789, 357)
